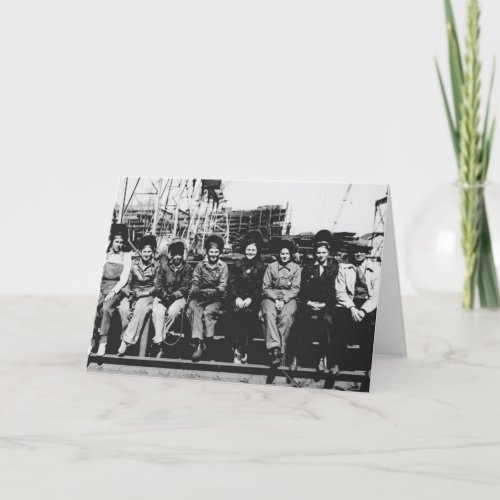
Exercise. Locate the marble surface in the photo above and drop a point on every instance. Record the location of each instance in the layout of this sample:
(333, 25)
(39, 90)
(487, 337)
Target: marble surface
(429, 428)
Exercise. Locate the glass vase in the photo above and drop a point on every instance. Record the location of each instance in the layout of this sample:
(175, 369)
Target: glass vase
(453, 244)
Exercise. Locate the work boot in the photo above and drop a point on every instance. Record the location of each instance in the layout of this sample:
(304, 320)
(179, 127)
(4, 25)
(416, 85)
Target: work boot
(198, 352)
(162, 351)
(294, 364)
(155, 350)
(275, 354)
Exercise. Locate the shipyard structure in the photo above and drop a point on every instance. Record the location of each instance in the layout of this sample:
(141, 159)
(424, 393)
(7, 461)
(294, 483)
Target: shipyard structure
(191, 209)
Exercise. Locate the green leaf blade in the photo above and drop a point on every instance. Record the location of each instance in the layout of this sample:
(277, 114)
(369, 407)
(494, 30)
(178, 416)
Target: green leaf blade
(449, 117)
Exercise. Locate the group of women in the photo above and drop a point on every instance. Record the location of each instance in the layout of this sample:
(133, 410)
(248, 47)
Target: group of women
(250, 293)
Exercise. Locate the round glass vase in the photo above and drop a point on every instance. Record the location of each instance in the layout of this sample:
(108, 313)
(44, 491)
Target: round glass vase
(447, 244)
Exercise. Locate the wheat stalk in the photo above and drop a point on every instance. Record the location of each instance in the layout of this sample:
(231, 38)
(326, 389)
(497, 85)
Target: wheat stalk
(472, 150)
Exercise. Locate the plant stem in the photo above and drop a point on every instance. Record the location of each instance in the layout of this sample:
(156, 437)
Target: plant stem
(471, 202)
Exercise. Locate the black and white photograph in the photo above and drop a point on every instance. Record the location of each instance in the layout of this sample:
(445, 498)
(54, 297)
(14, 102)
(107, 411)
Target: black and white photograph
(242, 281)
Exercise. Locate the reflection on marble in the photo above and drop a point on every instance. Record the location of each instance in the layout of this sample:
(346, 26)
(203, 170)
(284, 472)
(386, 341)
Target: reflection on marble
(429, 428)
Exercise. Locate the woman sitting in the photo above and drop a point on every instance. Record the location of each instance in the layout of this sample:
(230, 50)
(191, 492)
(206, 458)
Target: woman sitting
(141, 285)
(245, 295)
(172, 287)
(114, 277)
(280, 287)
(208, 290)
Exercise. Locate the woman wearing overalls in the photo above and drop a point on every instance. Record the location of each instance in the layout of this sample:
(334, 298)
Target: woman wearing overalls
(114, 277)
(141, 285)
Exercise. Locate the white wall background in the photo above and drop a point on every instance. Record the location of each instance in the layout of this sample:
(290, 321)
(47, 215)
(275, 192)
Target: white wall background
(324, 90)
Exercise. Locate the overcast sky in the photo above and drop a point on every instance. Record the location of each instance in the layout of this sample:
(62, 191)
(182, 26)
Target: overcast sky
(314, 206)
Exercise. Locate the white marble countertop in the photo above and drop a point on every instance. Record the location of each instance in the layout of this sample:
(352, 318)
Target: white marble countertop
(430, 428)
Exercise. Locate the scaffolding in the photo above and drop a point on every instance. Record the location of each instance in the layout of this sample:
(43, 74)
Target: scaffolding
(189, 209)
(379, 221)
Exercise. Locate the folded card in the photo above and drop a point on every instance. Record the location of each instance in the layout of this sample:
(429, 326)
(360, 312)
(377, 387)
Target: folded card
(261, 282)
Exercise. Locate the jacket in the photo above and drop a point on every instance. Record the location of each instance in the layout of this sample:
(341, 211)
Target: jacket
(346, 282)
(281, 282)
(171, 283)
(246, 279)
(142, 278)
(209, 282)
(319, 288)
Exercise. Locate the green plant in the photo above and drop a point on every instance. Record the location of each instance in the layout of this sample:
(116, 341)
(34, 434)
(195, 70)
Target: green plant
(472, 148)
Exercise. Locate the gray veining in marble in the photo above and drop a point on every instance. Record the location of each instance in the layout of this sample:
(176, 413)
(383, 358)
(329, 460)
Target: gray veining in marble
(430, 428)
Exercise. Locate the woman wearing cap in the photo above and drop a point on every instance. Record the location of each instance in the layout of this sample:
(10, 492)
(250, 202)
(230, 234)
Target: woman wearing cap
(114, 277)
(172, 287)
(246, 293)
(210, 280)
(357, 286)
(141, 285)
(280, 287)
